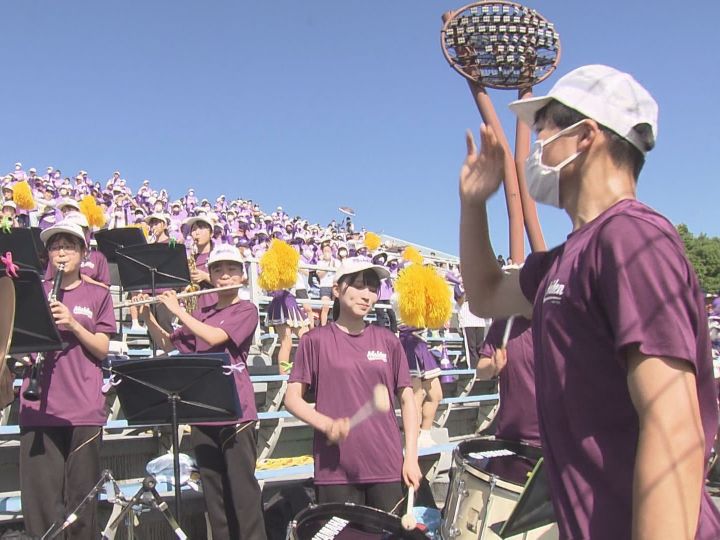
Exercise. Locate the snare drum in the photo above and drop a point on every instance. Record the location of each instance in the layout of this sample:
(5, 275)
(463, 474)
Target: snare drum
(488, 477)
(348, 522)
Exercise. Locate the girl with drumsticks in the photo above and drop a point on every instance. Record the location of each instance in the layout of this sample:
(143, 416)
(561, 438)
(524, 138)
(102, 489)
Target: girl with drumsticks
(343, 362)
(225, 451)
(61, 432)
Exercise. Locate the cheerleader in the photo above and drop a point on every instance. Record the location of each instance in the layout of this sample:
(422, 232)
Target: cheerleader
(344, 361)
(425, 373)
(288, 319)
(61, 433)
(225, 451)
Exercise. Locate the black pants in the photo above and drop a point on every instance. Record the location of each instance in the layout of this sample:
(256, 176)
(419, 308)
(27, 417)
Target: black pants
(226, 458)
(474, 337)
(58, 468)
(387, 497)
(386, 317)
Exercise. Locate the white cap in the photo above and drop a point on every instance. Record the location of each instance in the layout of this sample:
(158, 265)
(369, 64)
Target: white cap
(9, 204)
(159, 216)
(63, 227)
(68, 202)
(354, 266)
(224, 252)
(199, 219)
(33, 169)
(78, 218)
(610, 97)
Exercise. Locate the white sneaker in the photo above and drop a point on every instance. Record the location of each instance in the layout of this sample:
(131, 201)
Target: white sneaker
(137, 328)
(425, 439)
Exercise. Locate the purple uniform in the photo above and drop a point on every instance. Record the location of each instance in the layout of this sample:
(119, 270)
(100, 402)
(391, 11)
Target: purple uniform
(344, 369)
(620, 280)
(71, 380)
(517, 418)
(239, 322)
(421, 362)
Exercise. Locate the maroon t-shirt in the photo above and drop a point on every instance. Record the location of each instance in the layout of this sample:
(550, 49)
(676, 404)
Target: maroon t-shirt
(620, 280)
(95, 266)
(344, 370)
(239, 322)
(517, 418)
(71, 380)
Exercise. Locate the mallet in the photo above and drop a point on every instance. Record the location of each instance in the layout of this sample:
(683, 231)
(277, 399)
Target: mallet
(380, 402)
(408, 520)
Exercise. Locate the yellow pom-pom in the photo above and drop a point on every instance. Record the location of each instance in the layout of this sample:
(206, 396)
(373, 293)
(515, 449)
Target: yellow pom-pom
(412, 255)
(423, 297)
(372, 241)
(22, 196)
(92, 211)
(278, 266)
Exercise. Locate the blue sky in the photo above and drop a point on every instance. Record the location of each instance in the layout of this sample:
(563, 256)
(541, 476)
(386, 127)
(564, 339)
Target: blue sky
(312, 105)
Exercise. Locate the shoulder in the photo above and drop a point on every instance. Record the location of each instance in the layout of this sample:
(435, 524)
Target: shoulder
(383, 334)
(92, 290)
(318, 334)
(638, 226)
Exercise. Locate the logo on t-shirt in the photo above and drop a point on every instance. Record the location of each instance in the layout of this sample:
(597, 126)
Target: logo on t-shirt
(87, 264)
(82, 310)
(377, 355)
(554, 292)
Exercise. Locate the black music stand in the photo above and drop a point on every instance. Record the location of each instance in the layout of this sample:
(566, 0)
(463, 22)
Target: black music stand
(110, 240)
(23, 244)
(532, 510)
(153, 266)
(171, 389)
(35, 329)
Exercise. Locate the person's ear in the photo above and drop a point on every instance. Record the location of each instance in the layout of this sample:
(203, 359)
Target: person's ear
(589, 132)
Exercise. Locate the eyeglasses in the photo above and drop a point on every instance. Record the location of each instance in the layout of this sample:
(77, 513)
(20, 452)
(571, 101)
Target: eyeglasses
(64, 247)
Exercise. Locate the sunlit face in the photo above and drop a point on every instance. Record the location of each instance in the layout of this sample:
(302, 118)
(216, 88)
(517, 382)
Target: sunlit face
(326, 253)
(226, 273)
(67, 250)
(157, 227)
(8, 211)
(358, 296)
(201, 233)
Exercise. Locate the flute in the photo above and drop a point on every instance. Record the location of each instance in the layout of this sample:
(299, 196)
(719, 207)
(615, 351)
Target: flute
(32, 392)
(156, 299)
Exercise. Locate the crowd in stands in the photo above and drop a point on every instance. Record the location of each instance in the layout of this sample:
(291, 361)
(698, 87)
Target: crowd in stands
(236, 221)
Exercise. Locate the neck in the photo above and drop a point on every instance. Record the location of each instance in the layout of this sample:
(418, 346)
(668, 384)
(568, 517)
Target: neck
(70, 280)
(227, 300)
(601, 186)
(204, 248)
(350, 325)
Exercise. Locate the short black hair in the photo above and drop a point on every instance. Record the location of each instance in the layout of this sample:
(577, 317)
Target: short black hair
(622, 152)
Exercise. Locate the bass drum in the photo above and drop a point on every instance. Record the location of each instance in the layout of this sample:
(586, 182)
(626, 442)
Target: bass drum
(348, 522)
(489, 476)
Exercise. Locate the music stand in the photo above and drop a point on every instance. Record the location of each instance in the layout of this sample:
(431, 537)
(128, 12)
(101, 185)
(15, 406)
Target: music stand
(22, 244)
(110, 240)
(152, 266)
(532, 510)
(173, 389)
(35, 329)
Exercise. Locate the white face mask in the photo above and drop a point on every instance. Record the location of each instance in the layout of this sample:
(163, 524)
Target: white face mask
(543, 181)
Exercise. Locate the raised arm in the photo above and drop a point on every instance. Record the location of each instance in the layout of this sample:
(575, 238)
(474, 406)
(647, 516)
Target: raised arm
(490, 291)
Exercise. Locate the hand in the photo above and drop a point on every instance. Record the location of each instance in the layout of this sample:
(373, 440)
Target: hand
(482, 172)
(500, 360)
(412, 476)
(63, 317)
(198, 276)
(337, 430)
(143, 309)
(169, 300)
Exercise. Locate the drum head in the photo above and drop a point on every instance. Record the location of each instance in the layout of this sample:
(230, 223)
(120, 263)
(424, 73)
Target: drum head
(7, 320)
(350, 522)
(509, 461)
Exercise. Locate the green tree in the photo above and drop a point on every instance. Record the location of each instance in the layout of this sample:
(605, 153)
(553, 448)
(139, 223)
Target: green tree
(704, 254)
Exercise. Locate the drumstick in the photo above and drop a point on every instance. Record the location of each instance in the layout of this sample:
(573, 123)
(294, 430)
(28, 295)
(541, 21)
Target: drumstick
(408, 520)
(506, 334)
(380, 402)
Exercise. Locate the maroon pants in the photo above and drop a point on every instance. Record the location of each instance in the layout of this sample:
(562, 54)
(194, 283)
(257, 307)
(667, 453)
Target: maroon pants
(226, 458)
(58, 468)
